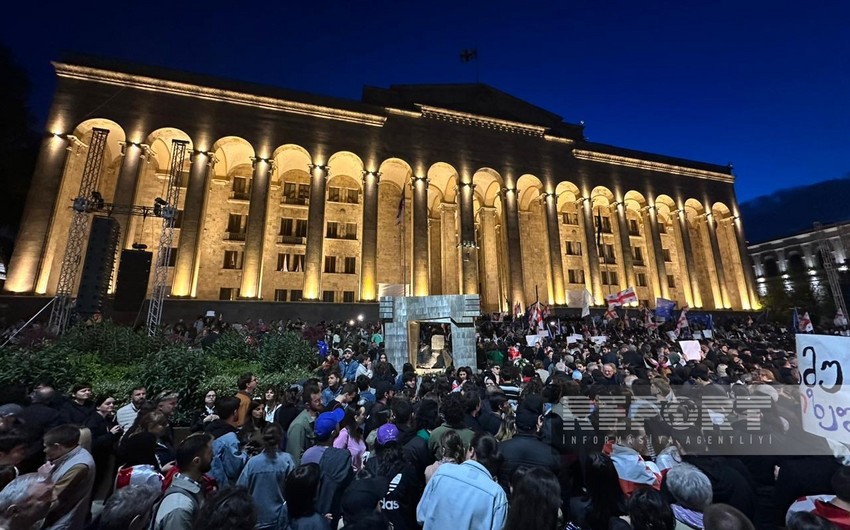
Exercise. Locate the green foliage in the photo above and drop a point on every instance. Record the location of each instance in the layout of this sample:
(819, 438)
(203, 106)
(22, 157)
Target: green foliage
(280, 352)
(114, 359)
(179, 369)
(232, 346)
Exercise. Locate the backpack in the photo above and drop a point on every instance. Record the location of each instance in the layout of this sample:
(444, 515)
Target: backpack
(155, 509)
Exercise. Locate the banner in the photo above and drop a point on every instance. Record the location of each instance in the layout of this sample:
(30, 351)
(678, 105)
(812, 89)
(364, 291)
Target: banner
(823, 396)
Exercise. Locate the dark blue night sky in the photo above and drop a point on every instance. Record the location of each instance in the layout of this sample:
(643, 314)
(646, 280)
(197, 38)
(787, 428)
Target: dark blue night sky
(764, 85)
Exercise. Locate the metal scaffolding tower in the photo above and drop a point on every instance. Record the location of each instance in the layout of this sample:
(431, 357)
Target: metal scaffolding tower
(88, 201)
(83, 204)
(167, 209)
(829, 264)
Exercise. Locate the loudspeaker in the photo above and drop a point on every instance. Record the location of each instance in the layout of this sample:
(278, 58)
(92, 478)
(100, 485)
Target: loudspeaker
(97, 268)
(133, 274)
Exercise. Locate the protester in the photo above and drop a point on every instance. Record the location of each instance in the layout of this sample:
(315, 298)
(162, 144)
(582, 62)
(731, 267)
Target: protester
(302, 487)
(183, 498)
(264, 477)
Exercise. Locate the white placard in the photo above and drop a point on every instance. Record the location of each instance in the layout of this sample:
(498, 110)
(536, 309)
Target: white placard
(599, 339)
(672, 335)
(575, 337)
(531, 340)
(697, 335)
(707, 333)
(824, 399)
(438, 342)
(691, 350)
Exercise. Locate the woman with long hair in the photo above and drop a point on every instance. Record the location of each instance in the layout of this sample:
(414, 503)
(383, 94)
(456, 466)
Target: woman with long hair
(271, 402)
(484, 505)
(251, 433)
(535, 500)
(264, 476)
(604, 498)
(300, 491)
(449, 451)
(350, 435)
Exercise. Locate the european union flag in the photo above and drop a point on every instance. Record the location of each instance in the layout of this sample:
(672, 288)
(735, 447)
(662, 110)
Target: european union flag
(664, 308)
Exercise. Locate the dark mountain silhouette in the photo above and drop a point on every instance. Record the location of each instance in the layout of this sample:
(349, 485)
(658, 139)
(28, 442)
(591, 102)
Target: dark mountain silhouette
(793, 210)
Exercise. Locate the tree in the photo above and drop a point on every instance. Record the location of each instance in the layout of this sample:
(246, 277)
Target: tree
(19, 143)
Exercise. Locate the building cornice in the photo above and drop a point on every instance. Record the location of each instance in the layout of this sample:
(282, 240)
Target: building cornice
(617, 160)
(465, 118)
(86, 73)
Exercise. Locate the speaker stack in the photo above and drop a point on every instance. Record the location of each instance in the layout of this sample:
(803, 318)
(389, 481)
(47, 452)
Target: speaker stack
(97, 268)
(133, 274)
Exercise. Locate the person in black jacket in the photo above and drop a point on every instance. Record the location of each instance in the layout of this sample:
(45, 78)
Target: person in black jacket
(416, 450)
(79, 408)
(525, 448)
(398, 505)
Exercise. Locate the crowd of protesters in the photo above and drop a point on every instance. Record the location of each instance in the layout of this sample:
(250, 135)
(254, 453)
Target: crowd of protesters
(574, 431)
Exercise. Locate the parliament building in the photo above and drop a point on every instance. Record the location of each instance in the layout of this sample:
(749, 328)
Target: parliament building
(447, 189)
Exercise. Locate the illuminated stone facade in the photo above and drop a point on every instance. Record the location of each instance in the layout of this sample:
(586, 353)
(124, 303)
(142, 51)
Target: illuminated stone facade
(290, 196)
(795, 262)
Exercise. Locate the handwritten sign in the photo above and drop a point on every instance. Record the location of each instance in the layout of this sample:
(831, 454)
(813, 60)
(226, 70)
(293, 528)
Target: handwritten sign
(824, 398)
(691, 350)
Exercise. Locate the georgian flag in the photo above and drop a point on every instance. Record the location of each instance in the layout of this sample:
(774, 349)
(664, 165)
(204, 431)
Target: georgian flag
(840, 320)
(683, 320)
(648, 321)
(611, 313)
(622, 298)
(806, 323)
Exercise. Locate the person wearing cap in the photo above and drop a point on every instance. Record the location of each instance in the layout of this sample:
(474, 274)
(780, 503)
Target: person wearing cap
(348, 366)
(398, 504)
(334, 465)
(9, 414)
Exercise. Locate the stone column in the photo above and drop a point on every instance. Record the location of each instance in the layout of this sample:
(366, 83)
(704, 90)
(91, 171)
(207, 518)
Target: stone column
(592, 252)
(369, 250)
(188, 246)
(513, 260)
(315, 232)
(687, 256)
(252, 261)
(489, 259)
(435, 262)
(651, 222)
(746, 264)
(468, 248)
(125, 188)
(27, 267)
(420, 236)
(722, 300)
(556, 259)
(450, 253)
(781, 262)
(625, 247)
